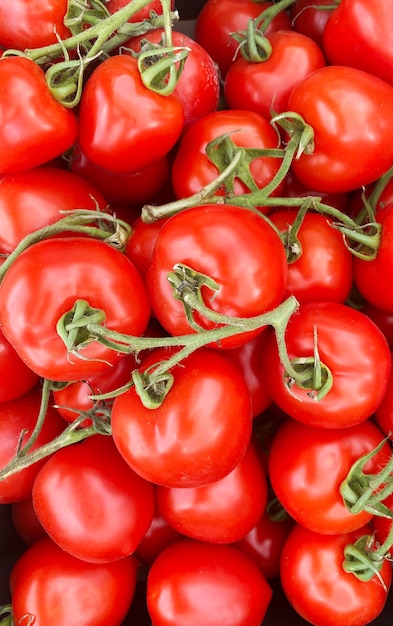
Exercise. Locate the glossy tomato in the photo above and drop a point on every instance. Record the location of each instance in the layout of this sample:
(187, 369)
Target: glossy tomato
(350, 346)
(192, 582)
(86, 498)
(201, 430)
(307, 466)
(26, 522)
(351, 113)
(310, 19)
(47, 581)
(32, 25)
(43, 284)
(123, 125)
(318, 587)
(159, 536)
(15, 376)
(235, 247)
(384, 412)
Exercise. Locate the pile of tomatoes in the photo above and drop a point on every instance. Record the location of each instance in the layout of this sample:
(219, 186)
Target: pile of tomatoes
(196, 312)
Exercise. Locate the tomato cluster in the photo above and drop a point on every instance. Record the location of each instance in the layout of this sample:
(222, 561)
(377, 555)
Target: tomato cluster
(196, 312)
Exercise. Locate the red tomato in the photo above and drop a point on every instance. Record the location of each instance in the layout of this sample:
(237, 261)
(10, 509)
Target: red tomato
(265, 87)
(384, 412)
(35, 127)
(142, 14)
(327, 595)
(359, 133)
(158, 537)
(310, 19)
(218, 19)
(15, 377)
(372, 277)
(221, 512)
(383, 525)
(32, 24)
(192, 582)
(49, 582)
(192, 169)
(356, 34)
(91, 503)
(324, 269)
(141, 243)
(58, 272)
(198, 87)
(198, 434)
(307, 466)
(36, 198)
(351, 346)
(26, 522)
(123, 125)
(383, 319)
(203, 238)
(16, 416)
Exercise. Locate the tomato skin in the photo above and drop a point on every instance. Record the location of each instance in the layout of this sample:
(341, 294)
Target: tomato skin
(32, 24)
(327, 595)
(80, 268)
(351, 346)
(201, 237)
(86, 497)
(15, 416)
(26, 522)
(141, 243)
(218, 19)
(384, 412)
(48, 582)
(307, 466)
(158, 537)
(351, 113)
(309, 19)
(324, 270)
(221, 512)
(15, 376)
(142, 126)
(35, 127)
(193, 583)
(192, 169)
(355, 35)
(199, 433)
(265, 87)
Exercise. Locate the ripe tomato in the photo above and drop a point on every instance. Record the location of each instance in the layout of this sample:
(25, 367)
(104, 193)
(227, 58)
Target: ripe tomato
(192, 169)
(265, 87)
(86, 497)
(15, 376)
(48, 582)
(358, 133)
(26, 522)
(158, 537)
(318, 587)
(310, 19)
(307, 466)
(251, 279)
(221, 512)
(35, 127)
(192, 582)
(16, 416)
(32, 24)
(36, 198)
(384, 413)
(351, 346)
(201, 430)
(123, 125)
(141, 244)
(355, 34)
(57, 272)
(218, 19)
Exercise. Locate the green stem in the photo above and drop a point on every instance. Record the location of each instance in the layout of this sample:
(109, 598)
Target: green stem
(45, 397)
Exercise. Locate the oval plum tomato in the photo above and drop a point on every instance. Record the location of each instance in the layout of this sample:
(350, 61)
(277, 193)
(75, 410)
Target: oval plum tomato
(59, 272)
(323, 271)
(36, 198)
(201, 430)
(192, 169)
(310, 19)
(47, 581)
(355, 35)
(91, 503)
(193, 582)
(35, 127)
(16, 378)
(128, 187)
(218, 19)
(198, 87)
(351, 113)
(26, 522)
(318, 587)
(32, 24)
(350, 346)
(307, 466)
(251, 279)
(221, 512)
(16, 416)
(372, 277)
(123, 125)
(265, 87)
